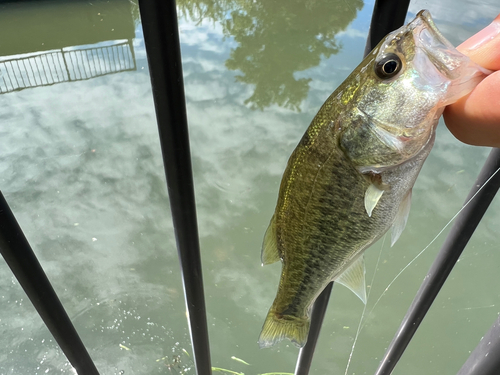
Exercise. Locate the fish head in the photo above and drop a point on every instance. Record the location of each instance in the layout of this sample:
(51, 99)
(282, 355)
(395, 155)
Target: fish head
(400, 91)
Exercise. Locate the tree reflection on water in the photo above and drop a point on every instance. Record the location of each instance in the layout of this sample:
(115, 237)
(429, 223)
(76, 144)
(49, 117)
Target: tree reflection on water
(275, 41)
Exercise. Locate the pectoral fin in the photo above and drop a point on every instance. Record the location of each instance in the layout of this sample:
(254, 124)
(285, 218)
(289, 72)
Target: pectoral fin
(372, 196)
(401, 218)
(354, 278)
(270, 252)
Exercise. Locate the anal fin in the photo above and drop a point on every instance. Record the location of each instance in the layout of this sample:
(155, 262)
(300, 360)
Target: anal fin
(354, 278)
(270, 253)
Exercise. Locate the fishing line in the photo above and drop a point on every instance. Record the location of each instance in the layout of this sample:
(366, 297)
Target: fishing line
(434, 239)
(364, 308)
(361, 326)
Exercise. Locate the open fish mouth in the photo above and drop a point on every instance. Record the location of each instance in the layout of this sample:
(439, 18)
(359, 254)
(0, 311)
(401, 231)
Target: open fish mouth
(447, 60)
(439, 63)
(436, 39)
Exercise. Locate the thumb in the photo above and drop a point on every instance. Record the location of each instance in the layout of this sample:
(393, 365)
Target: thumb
(475, 118)
(484, 47)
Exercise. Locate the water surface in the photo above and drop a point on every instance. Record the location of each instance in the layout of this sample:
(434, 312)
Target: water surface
(80, 165)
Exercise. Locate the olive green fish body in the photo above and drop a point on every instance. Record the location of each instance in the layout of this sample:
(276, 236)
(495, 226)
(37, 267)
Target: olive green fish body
(321, 225)
(350, 177)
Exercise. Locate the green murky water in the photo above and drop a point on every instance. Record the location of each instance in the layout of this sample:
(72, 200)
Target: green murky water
(80, 165)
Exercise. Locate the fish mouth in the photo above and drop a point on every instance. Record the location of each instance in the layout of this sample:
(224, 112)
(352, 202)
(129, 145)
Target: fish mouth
(438, 49)
(446, 66)
(425, 19)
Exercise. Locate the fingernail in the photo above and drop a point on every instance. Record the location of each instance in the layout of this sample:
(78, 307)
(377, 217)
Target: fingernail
(482, 37)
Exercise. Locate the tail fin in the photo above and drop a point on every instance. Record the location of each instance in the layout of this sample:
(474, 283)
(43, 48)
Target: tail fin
(279, 327)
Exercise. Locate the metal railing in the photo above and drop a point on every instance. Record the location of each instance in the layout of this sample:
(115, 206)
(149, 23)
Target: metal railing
(25, 266)
(65, 65)
(162, 44)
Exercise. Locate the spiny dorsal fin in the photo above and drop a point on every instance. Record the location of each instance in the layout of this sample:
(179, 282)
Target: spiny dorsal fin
(270, 252)
(401, 218)
(354, 278)
(372, 196)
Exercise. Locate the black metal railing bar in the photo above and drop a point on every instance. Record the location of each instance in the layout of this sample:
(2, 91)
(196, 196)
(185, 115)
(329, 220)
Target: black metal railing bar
(318, 311)
(21, 259)
(484, 360)
(161, 37)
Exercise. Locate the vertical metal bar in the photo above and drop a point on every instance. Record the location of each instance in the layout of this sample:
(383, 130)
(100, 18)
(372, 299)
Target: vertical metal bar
(8, 76)
(92, 50)
(161, 37)
(81, 60)
(63, 54)
(132, 54)
(58, 66)
(484, 360)
(108, 59)
(15, 75)
(29, 60)
(19, 256)
(27, 73)
(49, 68)
(114, 68)
(387, 16)
(457, 239)
(317, 315)
(20, 72)
(101, 59)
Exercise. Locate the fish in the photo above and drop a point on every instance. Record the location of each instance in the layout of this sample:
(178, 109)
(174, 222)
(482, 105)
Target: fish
(350, 178)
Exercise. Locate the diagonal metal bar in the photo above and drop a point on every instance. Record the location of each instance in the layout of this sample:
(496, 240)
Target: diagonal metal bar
(484, 360)
(387, 16)
(21, 259)
(457, 239)
(161, 36)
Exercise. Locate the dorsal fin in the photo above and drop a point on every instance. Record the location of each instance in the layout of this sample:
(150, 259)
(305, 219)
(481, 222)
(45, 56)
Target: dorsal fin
(354, 278)
(270, 253)
(401, 218)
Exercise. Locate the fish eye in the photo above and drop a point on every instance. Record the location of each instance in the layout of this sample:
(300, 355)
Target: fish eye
(388, 66)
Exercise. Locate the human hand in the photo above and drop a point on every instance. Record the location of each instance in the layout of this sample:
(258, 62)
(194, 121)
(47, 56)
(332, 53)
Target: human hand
(475, 118)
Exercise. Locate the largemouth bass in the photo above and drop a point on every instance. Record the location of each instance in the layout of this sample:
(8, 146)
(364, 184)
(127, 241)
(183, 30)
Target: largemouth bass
(350, 178)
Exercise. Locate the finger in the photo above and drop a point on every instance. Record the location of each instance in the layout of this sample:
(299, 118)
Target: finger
(475, 119)
(484, 47)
